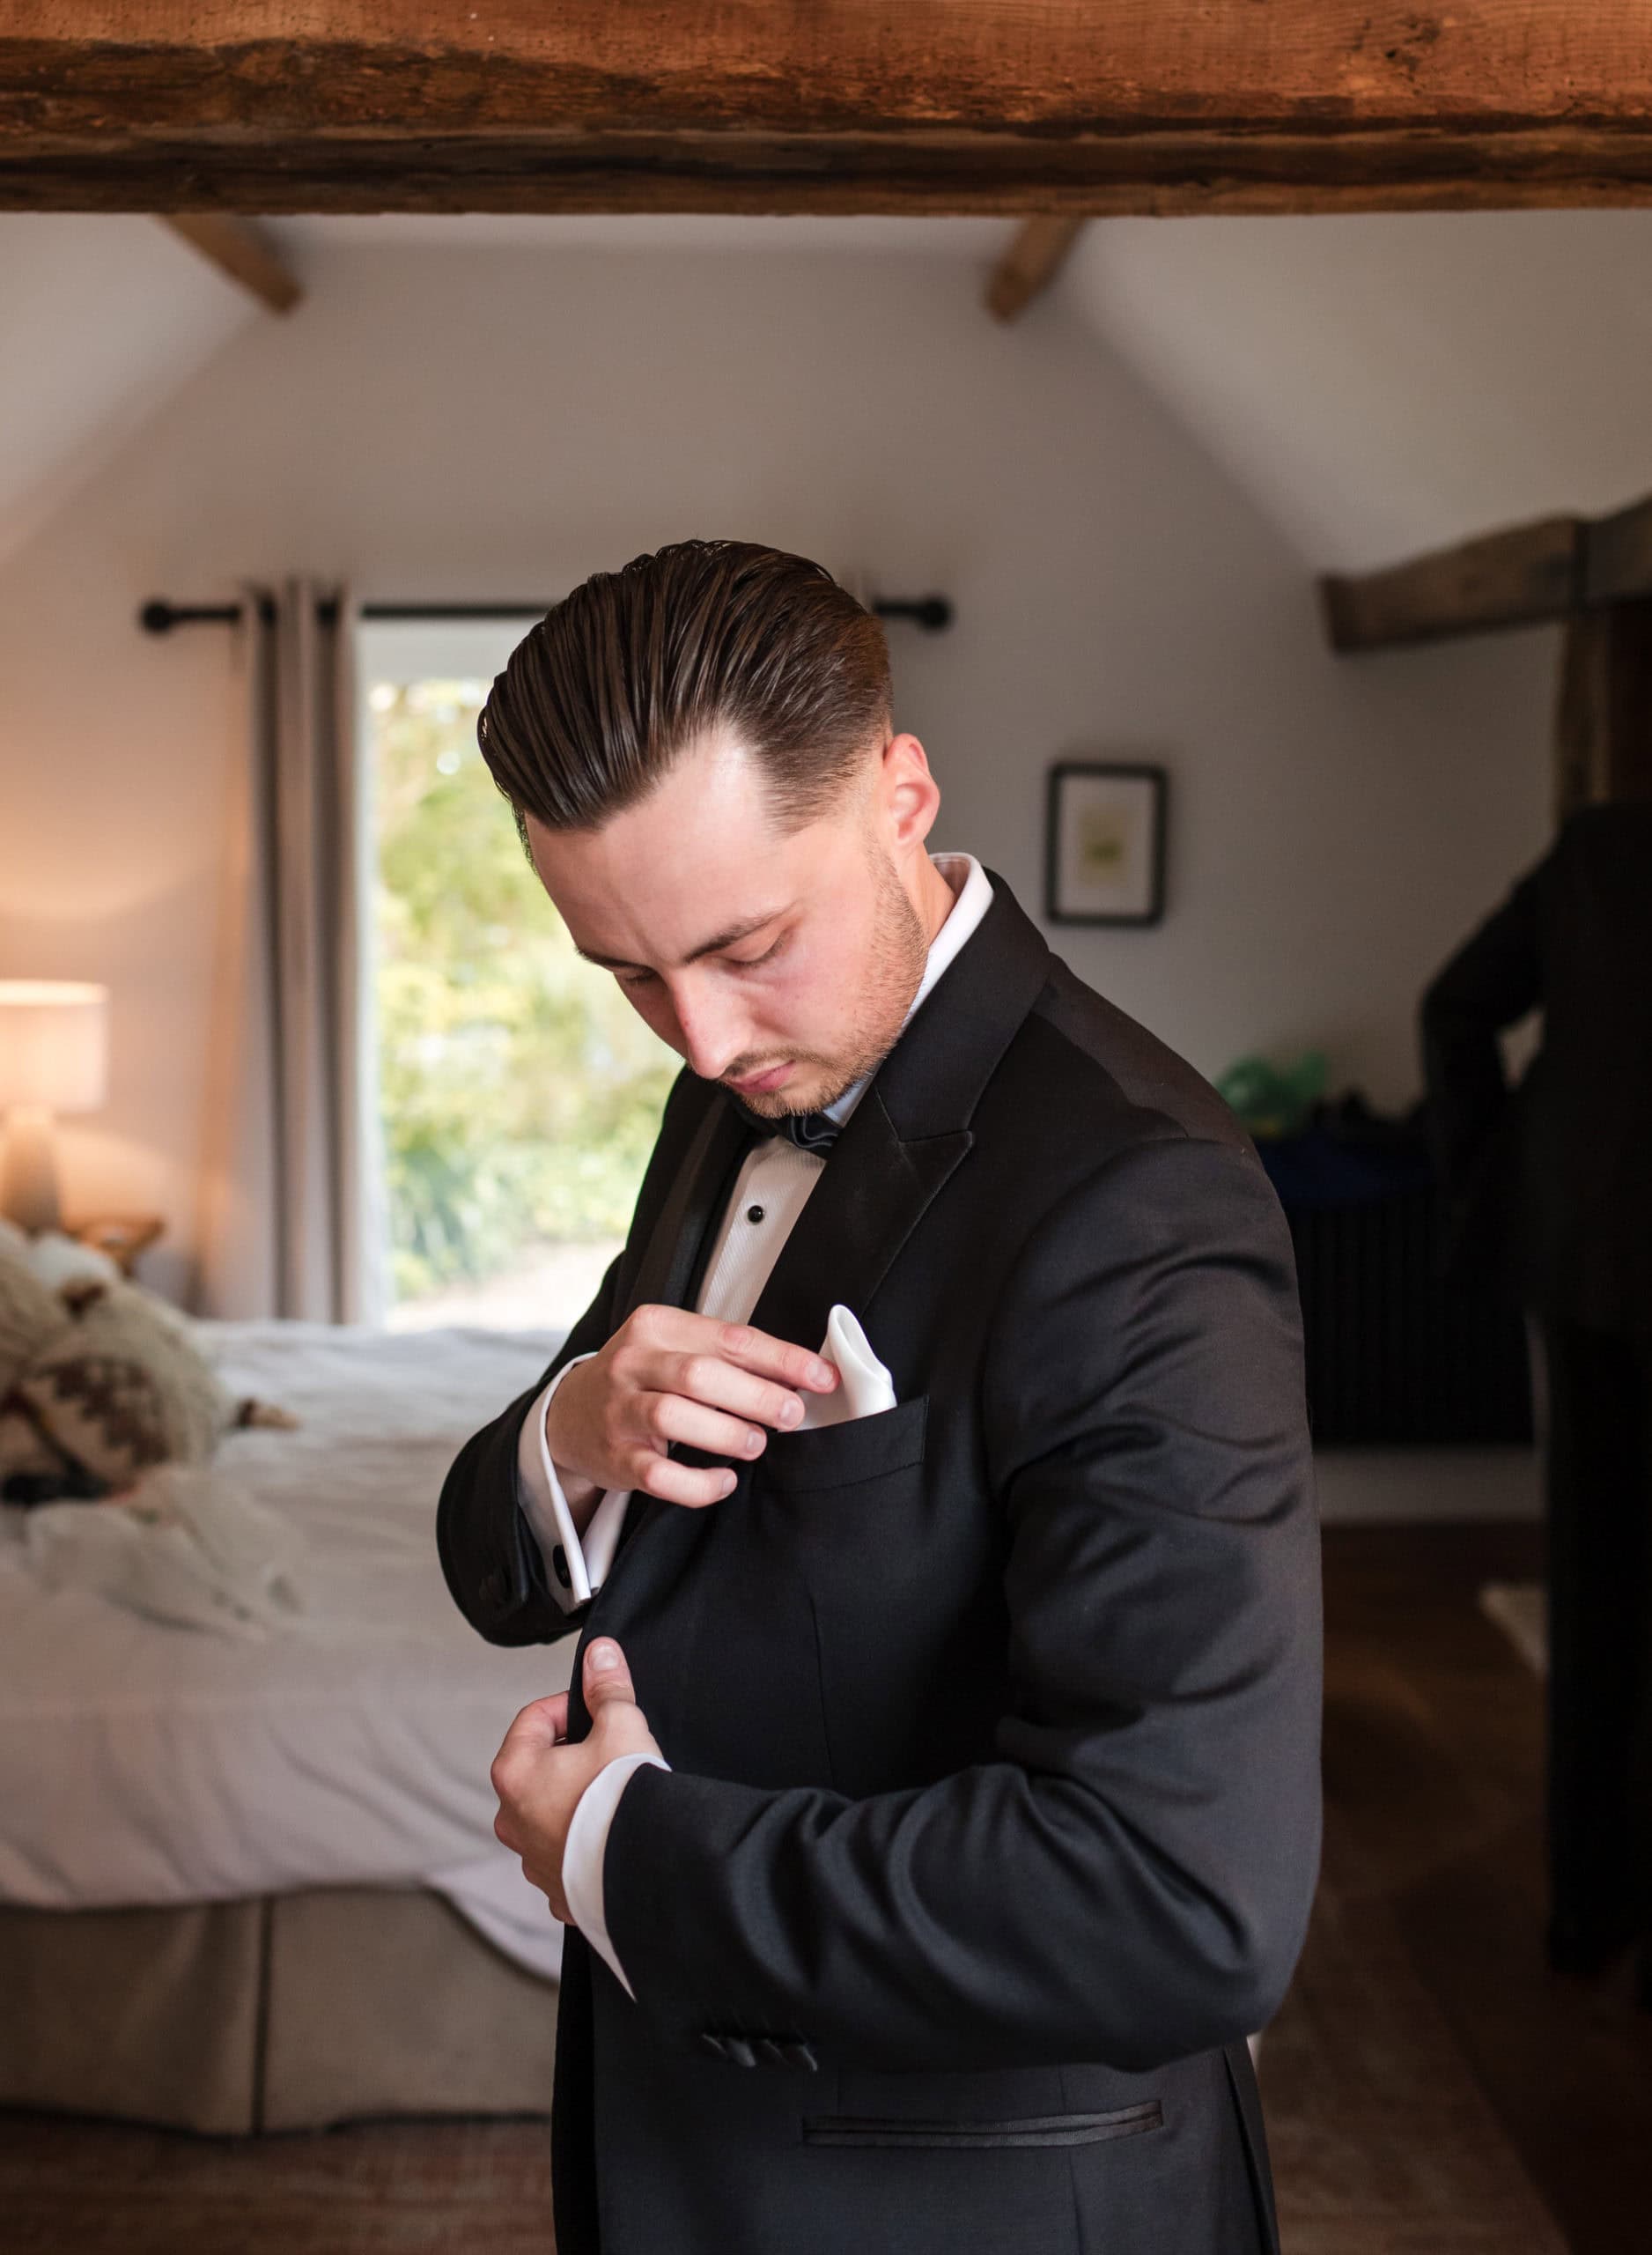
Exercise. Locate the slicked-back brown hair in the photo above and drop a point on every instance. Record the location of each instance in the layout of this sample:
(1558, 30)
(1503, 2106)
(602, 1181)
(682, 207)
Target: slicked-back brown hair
(623, 674)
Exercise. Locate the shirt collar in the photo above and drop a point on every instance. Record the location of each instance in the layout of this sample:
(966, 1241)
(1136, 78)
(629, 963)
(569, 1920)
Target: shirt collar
(972, 891)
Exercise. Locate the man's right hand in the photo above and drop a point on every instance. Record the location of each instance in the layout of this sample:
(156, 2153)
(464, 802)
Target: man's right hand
(669, 1375)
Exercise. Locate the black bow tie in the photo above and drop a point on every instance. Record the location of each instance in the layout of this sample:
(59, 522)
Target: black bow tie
(810, 1131)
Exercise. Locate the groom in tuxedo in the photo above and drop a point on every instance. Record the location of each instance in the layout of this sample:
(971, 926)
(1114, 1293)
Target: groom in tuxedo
(935, 1808)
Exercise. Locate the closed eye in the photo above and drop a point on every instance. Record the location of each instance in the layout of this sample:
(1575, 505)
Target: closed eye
(750, 962)
(636, 978)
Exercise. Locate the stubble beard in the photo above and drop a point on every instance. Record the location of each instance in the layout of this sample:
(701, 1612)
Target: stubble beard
(897, 954)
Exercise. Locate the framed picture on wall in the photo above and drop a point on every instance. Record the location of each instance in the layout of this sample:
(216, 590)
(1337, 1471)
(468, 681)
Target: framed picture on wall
(1105, 843)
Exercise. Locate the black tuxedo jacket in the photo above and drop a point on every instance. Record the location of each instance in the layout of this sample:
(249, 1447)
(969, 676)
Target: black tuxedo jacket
(993, 1817)
(1550, 1182)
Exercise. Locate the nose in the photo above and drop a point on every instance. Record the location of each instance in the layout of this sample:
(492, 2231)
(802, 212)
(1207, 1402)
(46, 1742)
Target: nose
(713, 1027)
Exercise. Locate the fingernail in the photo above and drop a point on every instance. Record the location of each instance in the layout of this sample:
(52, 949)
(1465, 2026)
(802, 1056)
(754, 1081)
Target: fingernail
(600, 1658)
(731, 1480)
(790, 1410)
(753, 1443)
(824, 1373)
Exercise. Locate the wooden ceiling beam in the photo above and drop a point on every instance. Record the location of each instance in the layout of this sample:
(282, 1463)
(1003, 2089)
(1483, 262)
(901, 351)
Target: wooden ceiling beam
(1513, 578)
(1031, 263)
(240, 253)
(795, 106)
(1556, 567)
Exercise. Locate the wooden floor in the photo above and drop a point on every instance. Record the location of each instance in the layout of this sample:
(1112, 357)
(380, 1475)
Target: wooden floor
(1431, 2088)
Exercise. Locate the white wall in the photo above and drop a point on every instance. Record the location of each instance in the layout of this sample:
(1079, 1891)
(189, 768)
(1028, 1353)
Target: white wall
(474, 423)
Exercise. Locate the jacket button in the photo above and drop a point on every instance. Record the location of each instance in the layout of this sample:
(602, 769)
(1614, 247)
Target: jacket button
(769, 2052)
(739, 2050)
(712, 2043)
(796, 2053)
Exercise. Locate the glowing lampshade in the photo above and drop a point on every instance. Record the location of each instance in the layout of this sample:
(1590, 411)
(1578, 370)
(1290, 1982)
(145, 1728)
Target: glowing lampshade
(54, 1057)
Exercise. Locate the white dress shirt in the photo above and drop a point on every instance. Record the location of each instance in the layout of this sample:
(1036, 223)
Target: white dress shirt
(770, 1191)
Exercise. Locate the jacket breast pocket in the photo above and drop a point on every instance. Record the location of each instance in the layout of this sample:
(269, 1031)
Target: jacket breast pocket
(826, 1457)
(847, 1498)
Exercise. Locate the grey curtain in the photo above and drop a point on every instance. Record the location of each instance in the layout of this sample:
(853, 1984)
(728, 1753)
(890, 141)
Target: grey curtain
(283, 1229)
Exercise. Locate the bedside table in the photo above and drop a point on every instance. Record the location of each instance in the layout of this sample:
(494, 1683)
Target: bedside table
(122, 1235)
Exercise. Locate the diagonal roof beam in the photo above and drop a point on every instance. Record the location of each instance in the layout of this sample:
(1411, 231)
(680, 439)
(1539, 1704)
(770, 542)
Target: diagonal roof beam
(1031, 263)
(240, 252)
(1553, 568)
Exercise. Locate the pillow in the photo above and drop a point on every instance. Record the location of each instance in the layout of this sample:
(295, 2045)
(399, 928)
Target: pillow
(30, 1314)
(122, 1389)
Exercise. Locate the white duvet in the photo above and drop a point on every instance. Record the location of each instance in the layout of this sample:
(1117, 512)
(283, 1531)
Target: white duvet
(144, 1763)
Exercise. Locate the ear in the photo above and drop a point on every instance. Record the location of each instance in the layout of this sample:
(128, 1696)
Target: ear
(909, 795)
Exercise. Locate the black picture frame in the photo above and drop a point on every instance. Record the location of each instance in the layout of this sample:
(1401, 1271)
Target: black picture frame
(1139, 792)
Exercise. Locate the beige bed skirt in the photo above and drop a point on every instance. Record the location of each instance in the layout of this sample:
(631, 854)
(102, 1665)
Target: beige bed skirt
(286, 2013)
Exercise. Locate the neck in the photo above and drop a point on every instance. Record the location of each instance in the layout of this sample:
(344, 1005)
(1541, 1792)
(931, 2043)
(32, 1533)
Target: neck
(933, 899)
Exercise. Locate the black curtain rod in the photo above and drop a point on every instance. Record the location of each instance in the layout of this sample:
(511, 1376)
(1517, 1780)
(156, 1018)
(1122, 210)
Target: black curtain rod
(159, 616)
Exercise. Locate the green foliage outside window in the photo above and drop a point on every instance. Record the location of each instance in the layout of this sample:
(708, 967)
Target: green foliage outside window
(521, 1093)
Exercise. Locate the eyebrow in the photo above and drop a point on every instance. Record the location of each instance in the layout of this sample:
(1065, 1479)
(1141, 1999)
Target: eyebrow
(732, 937)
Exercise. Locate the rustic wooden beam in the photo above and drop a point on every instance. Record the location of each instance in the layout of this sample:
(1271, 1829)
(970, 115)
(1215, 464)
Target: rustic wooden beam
(1555, 567)
(1503, 579)
(1031, 263)
(823, 104)
(240, 252)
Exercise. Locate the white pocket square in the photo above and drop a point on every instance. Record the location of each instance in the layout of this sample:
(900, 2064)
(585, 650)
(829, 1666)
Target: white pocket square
(863, 1386)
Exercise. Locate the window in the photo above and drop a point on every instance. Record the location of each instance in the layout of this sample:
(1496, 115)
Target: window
(518, 1093)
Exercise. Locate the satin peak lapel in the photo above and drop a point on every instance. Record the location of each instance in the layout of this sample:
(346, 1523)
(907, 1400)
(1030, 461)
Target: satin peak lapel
(873, 1193)
(665, 1275)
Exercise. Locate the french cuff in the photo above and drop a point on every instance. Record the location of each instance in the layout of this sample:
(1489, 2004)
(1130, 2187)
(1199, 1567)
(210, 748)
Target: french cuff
(584, 1850)
(573, 1569)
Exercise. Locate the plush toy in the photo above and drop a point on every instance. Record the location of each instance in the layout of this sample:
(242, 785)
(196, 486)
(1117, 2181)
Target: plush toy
(99, 1379)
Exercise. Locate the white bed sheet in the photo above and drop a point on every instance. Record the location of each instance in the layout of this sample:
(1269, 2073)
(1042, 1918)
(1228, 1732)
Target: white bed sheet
(146, 1764)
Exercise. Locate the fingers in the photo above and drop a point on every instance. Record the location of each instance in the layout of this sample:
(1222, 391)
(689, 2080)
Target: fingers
(679, 1417)
(706, 1377)
(607, 1678)
(542, 1722)
(665, 1332)
(696, 1485)
(776, 1358)
(541, 1725)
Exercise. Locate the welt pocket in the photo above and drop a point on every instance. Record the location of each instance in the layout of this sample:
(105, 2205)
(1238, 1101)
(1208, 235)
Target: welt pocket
(837, 1456)
(1019, 2131)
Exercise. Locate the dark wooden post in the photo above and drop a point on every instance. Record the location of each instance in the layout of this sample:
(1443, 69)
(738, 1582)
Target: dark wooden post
(1603, 738)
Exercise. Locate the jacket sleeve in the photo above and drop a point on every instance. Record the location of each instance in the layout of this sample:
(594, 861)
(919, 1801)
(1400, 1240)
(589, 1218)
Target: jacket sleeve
(1491, 982)
(1128, 1878)
(490, 1554)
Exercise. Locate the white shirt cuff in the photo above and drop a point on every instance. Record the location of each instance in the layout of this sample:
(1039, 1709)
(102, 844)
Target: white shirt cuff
(584, 1850)
(545, 1507)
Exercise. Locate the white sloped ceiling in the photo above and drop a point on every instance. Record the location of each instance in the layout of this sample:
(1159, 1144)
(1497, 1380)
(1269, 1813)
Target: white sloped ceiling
(101, 316)
(1380, 383)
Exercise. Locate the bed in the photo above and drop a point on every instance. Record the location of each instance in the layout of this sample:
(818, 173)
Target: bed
(252, 1883)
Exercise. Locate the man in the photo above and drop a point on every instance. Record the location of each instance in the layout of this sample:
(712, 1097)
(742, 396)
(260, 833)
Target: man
(936, 1805)
(1552, 1200)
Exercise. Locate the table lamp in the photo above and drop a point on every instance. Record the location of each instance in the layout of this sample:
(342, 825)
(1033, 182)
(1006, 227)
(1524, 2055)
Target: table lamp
(54, 1057)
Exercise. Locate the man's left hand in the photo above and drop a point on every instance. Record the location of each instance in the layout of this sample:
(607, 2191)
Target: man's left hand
(539, 1777)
